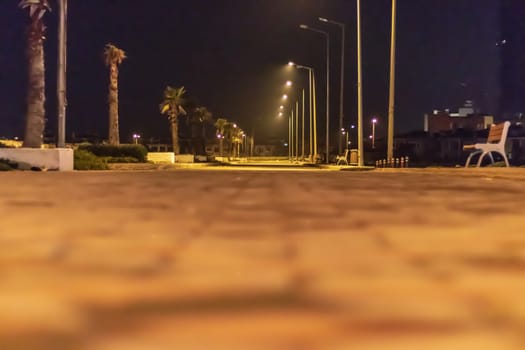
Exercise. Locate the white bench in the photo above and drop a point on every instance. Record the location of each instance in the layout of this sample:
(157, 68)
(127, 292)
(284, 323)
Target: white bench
(340, 160)
(495, 143)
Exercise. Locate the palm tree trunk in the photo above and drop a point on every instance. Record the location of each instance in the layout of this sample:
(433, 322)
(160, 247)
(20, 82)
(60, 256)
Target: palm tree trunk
(221, 146)
(35, 117)
(114, 138)
(175, 134)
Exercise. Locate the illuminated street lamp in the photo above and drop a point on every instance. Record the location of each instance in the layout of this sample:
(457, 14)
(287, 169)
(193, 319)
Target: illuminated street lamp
(374, 122)
(281, 107)
(285, 97)
(289, 83)
(136, 138)
(305, 27)
(345, 133)
(341, 97)
(313, 108)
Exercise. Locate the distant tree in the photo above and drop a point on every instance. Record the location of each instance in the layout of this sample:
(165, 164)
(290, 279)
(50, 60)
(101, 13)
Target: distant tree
(35, 114)
(113, 57)
(172, 107)
(221, 125)
(199, 117)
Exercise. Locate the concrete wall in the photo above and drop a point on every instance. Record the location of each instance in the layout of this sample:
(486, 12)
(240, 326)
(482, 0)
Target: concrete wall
(49, 159)
(161, 157)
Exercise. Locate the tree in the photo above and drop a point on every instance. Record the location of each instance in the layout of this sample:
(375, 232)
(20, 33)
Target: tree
(172, 107)
(35, 114)
(113, 57)
(199, 116)
(221, 125)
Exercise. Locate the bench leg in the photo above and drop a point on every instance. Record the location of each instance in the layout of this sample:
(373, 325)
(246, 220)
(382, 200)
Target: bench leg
(470, 157)
(504, 158)
(491, 157)
(481, 157)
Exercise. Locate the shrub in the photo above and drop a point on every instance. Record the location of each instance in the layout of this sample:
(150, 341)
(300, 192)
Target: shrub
(7, 165)
(139, 152)
(85, 160)
(121, 159)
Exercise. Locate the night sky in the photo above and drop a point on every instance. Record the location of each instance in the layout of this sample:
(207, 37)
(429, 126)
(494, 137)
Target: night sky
(230, 56)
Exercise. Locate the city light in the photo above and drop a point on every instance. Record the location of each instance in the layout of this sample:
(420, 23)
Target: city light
(285, 97)
(289, 83)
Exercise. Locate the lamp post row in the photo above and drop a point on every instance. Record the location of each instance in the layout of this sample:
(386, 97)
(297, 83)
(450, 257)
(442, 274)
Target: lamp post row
(391, 105)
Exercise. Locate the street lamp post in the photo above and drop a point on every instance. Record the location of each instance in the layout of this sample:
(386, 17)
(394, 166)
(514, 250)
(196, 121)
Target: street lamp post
(374, 122)
(136, 138)
(303, 26)
(359, 90)
(341, 97)
(391, 99)
(61, 75)
(313, 108)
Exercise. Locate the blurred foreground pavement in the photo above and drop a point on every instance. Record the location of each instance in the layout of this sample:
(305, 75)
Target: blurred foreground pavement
(249, 260)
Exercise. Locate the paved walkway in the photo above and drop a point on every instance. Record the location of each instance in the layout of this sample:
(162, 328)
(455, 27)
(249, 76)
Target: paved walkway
(249, 260)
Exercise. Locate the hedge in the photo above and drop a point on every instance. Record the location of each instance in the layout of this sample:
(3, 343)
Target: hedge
(139, 152)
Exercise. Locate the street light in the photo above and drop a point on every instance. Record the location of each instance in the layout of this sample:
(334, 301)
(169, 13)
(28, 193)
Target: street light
(313, 107)
(345, 132)
(305, 27)
(374, 122)
(61, 75)
(289, 83)
(285, 97)
(341, 97)
(391, 98)
(136, 138)
(360, 157)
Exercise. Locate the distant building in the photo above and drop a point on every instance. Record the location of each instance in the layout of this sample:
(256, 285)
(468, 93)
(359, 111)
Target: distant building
(465, 118)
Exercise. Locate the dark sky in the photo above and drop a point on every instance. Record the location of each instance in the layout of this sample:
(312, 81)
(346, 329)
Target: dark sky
(229, 54)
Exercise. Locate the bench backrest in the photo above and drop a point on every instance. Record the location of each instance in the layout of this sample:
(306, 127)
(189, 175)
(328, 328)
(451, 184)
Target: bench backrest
(498, 133)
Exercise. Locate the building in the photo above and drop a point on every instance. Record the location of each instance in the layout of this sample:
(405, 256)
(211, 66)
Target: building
(466, 118)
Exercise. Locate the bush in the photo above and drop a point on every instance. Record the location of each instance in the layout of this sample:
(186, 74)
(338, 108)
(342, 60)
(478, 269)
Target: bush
(121, 159)
(7, 165)
(139, 152)
(85, 160)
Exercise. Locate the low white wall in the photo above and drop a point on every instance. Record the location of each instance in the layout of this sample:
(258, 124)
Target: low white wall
(49, 159)
(161, 157)
(184, 158)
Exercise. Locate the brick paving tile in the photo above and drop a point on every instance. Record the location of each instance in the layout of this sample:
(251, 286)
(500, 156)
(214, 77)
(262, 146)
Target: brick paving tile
(263, 259)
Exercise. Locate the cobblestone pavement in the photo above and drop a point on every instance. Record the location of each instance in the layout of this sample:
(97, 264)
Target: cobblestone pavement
(249, 260)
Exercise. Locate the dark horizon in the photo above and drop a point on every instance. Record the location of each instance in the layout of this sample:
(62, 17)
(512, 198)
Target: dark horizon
(230, 55)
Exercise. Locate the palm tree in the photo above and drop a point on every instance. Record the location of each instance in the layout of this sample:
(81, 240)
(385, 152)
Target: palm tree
(199, 117)
(35, 115)
(113, 57)
(221, 125)
(172, 106)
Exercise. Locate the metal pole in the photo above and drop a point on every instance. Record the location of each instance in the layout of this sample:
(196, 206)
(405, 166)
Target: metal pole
(302, 143)
(296, 129)
(390, 143)
(341, 102)
(373, 135)
(359, 89)
(292, 140)
(311, 119)
(61, 75)
(327, 98)
(315, 115)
